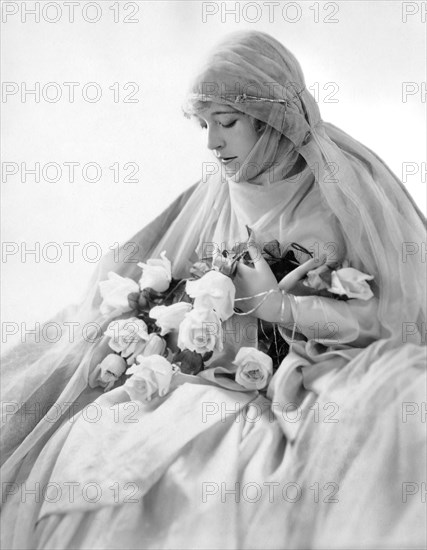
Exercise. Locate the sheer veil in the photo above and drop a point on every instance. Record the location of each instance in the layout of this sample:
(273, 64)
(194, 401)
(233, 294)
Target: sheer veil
(383, 230)
(381, 224)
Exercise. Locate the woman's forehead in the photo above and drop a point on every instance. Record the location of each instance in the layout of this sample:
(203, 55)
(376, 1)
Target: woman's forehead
(211, 108)
(222, 110)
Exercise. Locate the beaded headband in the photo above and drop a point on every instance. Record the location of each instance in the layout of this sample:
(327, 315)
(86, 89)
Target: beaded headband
(242, 98)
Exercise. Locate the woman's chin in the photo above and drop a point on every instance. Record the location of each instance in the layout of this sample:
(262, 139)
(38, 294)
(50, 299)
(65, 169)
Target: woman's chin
(231, 169)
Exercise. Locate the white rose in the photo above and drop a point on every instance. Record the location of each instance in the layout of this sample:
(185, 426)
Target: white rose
(319, 278)
(127, 337)
(156, 274)
(352, 283)
(200, 331)
(155, 345)
(254, 368)
(115, 293)
(108, 372)
(213, 290)
(169, 318)
(150, 375)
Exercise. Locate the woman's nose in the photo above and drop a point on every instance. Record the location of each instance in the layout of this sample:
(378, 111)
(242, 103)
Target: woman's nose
(215, 140)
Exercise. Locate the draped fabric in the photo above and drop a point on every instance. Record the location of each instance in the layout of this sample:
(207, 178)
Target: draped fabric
(380, 224)
(305, 181)
(45, 382)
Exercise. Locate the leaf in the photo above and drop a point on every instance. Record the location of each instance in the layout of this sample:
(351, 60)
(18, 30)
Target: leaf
(272, 249)
(190, 362)
(206, 356)
(172, 341)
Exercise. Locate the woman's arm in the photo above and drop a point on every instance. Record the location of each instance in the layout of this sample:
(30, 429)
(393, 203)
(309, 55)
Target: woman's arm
(329, 321)
(324, 319)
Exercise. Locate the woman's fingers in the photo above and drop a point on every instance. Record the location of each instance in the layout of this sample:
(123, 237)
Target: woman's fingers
(292, 278)
(256, 278)
(259, 262)
(255, 250)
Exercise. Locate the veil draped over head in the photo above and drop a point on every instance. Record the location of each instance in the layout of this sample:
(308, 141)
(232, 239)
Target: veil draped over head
(383, 228)
(297, 155)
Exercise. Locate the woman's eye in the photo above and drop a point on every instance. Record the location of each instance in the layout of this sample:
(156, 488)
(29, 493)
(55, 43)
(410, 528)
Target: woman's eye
(228, 125)
(203, 126)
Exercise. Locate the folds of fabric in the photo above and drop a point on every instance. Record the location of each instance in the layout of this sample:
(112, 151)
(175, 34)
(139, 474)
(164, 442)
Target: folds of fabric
(43, 382)
(341, 478)
(343, 201)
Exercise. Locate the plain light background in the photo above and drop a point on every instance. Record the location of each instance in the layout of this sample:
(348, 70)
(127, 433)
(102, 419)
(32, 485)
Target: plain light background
(367, 55)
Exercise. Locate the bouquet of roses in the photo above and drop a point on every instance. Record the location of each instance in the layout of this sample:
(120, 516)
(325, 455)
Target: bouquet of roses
(171, 326)
(176, 324)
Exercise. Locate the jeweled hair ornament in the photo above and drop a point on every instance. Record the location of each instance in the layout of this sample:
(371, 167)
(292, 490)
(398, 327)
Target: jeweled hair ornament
(242, 98)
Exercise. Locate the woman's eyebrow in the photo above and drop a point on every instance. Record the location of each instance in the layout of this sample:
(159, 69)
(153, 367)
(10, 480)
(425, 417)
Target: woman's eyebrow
(237, 113)
(226, 113)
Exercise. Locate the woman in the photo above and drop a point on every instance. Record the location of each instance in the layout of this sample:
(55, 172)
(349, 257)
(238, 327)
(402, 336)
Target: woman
(332, 454)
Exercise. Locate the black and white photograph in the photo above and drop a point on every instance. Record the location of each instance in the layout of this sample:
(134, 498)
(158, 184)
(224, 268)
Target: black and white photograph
(213, 275)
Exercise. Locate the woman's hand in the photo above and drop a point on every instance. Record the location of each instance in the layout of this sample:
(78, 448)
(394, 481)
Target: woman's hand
(254, 280)
(293, 281)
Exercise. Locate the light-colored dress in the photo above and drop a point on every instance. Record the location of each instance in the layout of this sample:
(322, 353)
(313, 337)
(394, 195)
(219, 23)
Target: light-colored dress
(332, 456)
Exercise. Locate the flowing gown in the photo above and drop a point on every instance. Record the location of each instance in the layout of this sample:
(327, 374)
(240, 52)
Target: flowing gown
(331, 456)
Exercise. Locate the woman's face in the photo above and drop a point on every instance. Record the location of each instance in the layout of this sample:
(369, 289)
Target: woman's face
(230, 134)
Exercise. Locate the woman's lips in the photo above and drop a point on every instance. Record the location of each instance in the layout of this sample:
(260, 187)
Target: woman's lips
(227, 160)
